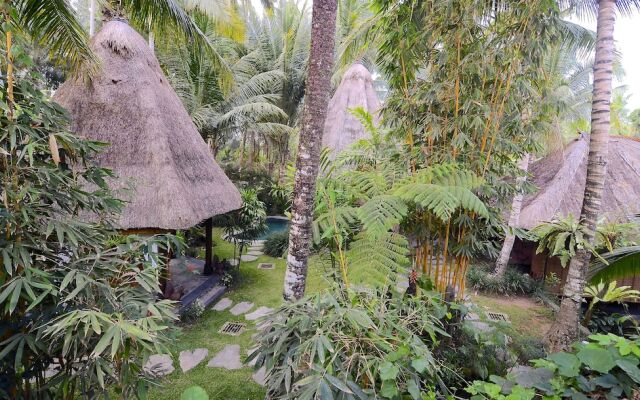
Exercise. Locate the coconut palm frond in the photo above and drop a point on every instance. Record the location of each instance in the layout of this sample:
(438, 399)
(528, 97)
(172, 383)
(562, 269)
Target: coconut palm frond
(54, 25)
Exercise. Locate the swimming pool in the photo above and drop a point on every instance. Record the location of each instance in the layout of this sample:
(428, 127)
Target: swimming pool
(274, 225)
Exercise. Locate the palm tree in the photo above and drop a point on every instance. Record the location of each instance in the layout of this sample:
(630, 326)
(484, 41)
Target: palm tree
(565, 329)
(250, 105)
(318, 85)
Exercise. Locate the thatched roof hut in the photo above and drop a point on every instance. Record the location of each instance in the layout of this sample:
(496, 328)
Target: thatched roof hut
(154, 146)
(560, 179)
(341, 128)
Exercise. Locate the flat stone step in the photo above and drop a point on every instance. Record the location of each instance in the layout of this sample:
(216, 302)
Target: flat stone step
(248, 258)
(223, 304)
(258, 313)
(241, 308)
(260, 376)
(189, 359)
(255, 253)
(159, 365)
(228, 358)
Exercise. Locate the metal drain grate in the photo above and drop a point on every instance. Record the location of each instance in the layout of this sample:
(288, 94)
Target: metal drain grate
(232, 328)
(266, 266)
(498, 317)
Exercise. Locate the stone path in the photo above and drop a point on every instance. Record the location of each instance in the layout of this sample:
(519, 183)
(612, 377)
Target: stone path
(241, 308)
(223, 304)
(252, 362)
(190, 359)
(255, 253)
(159, 365)
(228, 358)
(260, 312)
(248, 258)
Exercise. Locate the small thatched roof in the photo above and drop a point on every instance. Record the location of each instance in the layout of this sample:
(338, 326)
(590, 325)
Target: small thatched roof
(341, 128)
(561, 177)
(154, 145)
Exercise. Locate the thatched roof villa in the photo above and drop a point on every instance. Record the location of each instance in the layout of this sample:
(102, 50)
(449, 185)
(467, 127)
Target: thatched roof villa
(561, 178)
(154, 146)
(341, 128)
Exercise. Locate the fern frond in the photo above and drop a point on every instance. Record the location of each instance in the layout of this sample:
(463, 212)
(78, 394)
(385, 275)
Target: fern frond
(378, 261)
(381, 213)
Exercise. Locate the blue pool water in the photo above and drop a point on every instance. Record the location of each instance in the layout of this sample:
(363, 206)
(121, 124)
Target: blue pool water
(274, 225)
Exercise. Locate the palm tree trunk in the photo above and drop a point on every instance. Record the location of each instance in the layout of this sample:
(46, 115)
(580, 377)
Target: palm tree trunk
(318, 86)
(92, 18)
(565, 329)
(514, 218)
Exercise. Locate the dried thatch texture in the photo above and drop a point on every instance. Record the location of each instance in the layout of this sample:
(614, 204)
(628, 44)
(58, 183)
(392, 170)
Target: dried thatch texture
(561, 177)
(341, 128)
(154, 144)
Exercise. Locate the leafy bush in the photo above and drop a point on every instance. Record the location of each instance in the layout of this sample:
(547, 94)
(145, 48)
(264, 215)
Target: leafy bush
(344, 345)
(605, 368)
(192, 313)
(512, 282)
(71, 289)
(277, 244)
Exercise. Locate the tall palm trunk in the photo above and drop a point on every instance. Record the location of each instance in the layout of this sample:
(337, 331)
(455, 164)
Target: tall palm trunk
(92, 17)
(315, 109)
(514, 218)
(564, 330)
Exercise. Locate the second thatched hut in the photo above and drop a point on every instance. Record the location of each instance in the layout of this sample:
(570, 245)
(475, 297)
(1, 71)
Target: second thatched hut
(560, 179)
(341, 128)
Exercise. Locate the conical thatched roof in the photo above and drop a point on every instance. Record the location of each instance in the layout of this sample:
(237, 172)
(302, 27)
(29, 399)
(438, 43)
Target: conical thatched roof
(341, 128)
(154, 145)
(561, 177)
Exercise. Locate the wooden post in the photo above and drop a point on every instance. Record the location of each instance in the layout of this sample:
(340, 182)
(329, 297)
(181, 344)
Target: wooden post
(208, 251)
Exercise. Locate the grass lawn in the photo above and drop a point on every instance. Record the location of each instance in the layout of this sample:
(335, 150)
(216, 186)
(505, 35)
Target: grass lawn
(263, 288)
(527, 317)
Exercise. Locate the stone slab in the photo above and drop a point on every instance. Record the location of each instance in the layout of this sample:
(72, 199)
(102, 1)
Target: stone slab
(256, 253)
(259, 313)
(189, 359)
(228, 358)
(260, 376)
(241, 308)
(252, 362)
(248, 258)
(233, 262)
(223, 304)
(159, 365)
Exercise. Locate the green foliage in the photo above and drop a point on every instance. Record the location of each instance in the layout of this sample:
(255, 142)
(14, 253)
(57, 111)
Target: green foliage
(605, 367)
(616, 264)
(346, 345)
(194, 393)
(511, 283)
(68, 290)
(561, 238)
(276, 244)
(192, 313)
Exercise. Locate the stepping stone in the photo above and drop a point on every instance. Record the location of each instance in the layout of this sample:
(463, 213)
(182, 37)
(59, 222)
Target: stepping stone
(159, 365)
(190, 359)
(255, 248)
(228, 358)
(223, 304)
(259, 313)
(255, 253)
(233, 262)
(248, 258)
(241, 308)
(260, 376)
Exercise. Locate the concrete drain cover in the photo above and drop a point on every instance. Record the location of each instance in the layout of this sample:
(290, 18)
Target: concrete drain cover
(232, 328)
(266, 266)
(499, 317)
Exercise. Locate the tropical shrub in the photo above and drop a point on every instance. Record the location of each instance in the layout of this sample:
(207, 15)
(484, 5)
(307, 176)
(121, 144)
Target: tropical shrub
(246, 224)
(346, 344)
(276, 244)
(606, 367)
(78, 303)
(512, 282)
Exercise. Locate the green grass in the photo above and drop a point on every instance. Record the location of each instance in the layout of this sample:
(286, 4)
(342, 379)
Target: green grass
(263, 288)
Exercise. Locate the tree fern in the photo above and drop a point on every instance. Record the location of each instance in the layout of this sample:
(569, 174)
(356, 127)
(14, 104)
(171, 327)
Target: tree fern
(378, 261)
(381, 213)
